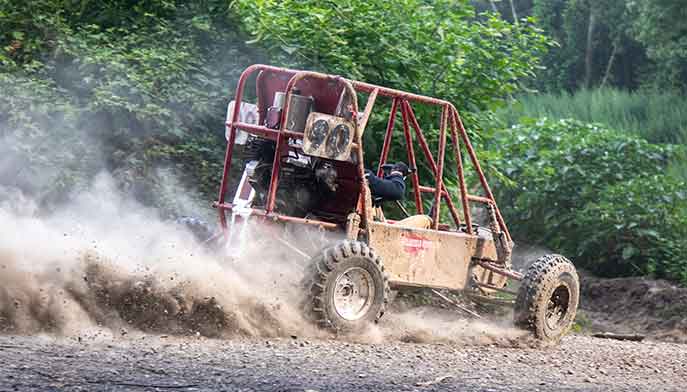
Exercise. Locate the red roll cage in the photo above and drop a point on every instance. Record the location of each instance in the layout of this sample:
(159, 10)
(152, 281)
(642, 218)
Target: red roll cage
(283, 79)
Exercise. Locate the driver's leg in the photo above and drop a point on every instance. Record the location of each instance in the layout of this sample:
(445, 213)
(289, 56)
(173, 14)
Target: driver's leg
(416, 221)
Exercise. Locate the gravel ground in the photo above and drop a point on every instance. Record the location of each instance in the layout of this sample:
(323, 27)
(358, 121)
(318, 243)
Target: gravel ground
(148, 362)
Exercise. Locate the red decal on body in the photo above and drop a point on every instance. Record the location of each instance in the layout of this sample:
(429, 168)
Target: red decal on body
(415, 244)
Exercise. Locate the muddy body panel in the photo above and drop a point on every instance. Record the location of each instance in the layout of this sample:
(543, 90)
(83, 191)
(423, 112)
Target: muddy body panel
(430, 258)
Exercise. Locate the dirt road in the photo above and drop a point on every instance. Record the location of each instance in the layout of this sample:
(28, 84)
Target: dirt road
(114, 311)
(149, 362)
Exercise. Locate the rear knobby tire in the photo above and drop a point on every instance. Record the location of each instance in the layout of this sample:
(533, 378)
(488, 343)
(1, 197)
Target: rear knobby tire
(548, 297)
(346, 287)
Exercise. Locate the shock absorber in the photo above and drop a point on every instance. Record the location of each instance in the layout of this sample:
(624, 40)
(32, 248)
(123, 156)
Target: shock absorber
(504, 248)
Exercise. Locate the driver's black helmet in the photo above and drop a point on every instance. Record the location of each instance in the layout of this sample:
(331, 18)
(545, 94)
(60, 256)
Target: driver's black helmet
(401, 167)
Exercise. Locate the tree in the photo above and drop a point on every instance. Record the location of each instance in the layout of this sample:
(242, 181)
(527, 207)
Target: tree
(439, 48)
(594, 45)
(661, 26)
(511, 10)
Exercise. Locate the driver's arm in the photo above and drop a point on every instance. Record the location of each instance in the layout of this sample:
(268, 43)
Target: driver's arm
(390, 188)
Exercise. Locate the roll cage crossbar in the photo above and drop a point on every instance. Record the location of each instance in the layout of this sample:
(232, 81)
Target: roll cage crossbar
(450, 122)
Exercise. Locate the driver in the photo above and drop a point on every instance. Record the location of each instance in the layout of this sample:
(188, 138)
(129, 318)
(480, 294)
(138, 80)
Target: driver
(390, 187)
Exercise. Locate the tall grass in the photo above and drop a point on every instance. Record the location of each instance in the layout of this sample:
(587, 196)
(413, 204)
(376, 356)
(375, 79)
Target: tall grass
(678, 166)
(656, 116)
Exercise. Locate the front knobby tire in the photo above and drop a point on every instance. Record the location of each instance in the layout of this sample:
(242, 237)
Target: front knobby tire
(548, 297)
(346, 287)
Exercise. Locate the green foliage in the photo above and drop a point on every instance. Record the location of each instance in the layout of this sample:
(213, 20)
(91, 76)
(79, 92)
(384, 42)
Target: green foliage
(583, 324)
(145, 70)
(598, 195)
(659, 117)
(608, 56)
(128, 87)
(661, 26)
(642, 226)
(437, 48)
(626, 44)
(90, 86)
(678, 167)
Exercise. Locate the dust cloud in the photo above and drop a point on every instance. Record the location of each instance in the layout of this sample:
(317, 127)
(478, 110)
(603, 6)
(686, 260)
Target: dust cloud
(107, 263)
(432, 324)
(105, 266)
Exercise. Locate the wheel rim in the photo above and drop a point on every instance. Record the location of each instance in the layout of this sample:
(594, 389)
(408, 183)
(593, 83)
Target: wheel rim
(354, 293)
(558, 306)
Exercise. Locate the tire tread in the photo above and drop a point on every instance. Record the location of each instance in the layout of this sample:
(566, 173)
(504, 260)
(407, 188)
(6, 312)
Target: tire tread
(540, 275)
(318, 276)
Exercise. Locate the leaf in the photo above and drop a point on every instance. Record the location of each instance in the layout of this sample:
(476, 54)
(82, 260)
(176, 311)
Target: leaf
(649, 233)
(629, 252)
(289, 49)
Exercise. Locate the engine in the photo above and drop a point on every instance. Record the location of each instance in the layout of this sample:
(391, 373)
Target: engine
(303, 181)
(307, 175)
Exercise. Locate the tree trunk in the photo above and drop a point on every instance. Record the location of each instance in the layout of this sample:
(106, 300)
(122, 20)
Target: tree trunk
(493, 6)
(515, 15)
(609, 66)
(589, 55)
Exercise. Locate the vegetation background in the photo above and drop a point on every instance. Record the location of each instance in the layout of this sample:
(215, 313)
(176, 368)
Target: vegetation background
(578, 106)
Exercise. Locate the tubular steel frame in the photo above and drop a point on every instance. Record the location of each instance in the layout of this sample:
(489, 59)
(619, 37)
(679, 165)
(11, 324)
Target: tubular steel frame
(450, 119)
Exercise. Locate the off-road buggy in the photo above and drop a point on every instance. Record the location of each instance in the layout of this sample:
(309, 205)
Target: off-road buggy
(301, 165)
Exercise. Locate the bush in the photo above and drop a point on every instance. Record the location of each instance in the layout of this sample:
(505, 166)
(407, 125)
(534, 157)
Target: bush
(641, 225)
(598, 195)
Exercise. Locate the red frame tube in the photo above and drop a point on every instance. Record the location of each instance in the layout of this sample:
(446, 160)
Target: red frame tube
(411, 161)
(480, 172)
(387, 135)
(439, 172)
(430, 159)
(461, 177)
